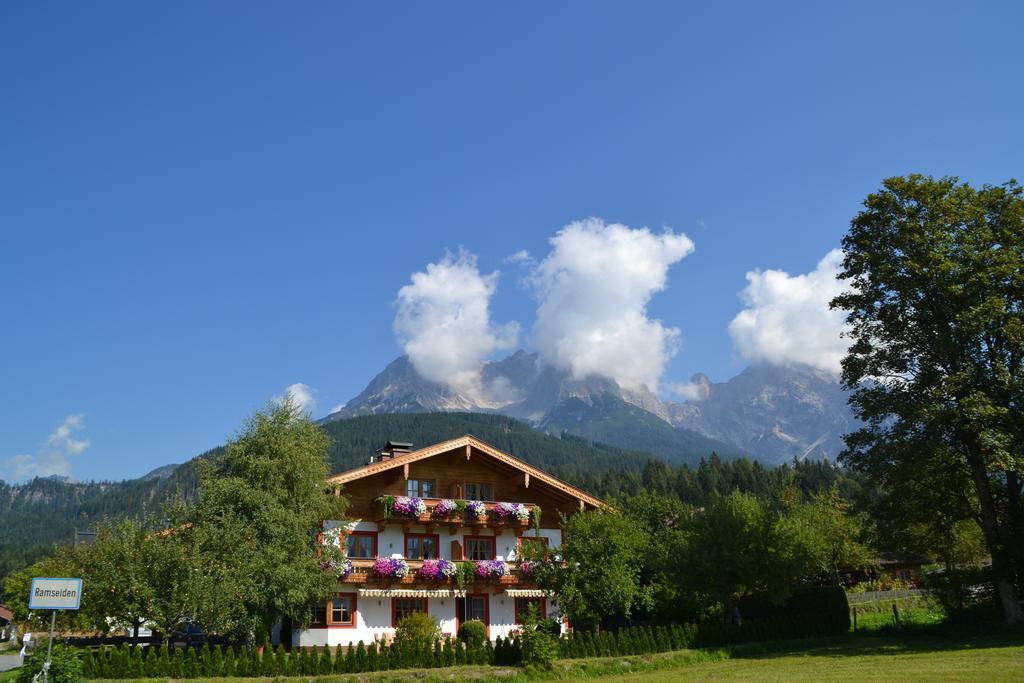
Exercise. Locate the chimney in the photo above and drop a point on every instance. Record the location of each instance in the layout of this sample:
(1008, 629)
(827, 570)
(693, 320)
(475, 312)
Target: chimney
(390, 449)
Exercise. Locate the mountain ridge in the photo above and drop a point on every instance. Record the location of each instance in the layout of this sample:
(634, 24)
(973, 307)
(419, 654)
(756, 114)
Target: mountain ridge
(772, 413)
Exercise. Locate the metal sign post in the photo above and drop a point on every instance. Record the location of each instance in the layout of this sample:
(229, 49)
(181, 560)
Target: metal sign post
(53, 594)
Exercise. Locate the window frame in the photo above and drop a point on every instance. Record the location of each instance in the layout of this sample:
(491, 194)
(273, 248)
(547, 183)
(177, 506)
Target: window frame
(354, 597)
(370, 534)
(394, 609)
(419, 488)
(478, 496)
(465, 547)
(437, 546)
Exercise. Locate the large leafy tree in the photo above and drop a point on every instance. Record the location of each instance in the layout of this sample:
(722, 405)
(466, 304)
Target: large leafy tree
(599, 578)
(132, 574)
(256, 525)
(936, 273)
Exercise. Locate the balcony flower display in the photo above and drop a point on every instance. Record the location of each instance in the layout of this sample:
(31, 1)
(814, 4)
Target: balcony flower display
(394, 567)
(514, 512)
(526, 568)
(476, 509)
(342, 568)
(491, 569)
(409, 506)
(437, 570)
(444, 508)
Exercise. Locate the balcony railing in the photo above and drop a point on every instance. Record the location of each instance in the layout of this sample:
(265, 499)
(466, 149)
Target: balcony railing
(363, 573)
(466, 519)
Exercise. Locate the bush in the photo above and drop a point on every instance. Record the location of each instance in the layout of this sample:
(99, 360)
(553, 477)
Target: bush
(473, 633)
(416, 632)
(65, 666)
(539, 648)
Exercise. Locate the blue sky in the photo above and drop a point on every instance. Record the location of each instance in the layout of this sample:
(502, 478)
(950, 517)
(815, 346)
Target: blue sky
(201, 204)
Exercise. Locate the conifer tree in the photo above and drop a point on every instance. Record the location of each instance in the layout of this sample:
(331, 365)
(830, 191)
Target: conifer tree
(448, 653)
(371, 656)
(88, 665)
(488, 652)
(361, 657)
(178, 663)
(191, 664)
(460, 653)
(229, 668)
(350, 659)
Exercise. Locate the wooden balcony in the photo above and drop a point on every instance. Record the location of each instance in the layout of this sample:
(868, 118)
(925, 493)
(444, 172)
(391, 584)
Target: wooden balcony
(467, 521)
(362, 573)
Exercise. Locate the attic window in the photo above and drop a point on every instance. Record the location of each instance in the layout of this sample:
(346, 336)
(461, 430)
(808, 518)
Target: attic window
(419, 488)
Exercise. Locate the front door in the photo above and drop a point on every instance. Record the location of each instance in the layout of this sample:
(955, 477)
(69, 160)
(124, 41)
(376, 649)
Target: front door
(473, 606)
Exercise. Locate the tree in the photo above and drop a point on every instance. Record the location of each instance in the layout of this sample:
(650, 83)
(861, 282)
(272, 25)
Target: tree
(256, 525)
(135, 575)
(830, 537)
(602, 553)
(936, 318)
(737, 546)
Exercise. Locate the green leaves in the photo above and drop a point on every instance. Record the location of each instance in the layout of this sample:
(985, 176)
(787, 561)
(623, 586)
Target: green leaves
(256, 522)
(936, 366)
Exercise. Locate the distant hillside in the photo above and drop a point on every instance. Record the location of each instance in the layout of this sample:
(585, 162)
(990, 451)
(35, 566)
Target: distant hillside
(44, 512)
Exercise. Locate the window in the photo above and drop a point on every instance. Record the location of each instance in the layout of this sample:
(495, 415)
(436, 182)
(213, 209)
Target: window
(523, 608)
(319, 614)
(342, 610)
(419, 488)
(361, 545)
(403, 607)
(422, 546)
(539, 546)
(477, 491)
(480, 548)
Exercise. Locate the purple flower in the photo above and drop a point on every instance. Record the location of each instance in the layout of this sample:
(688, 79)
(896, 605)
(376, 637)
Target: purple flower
(444, 508)
(391, 566)
(411, 507)
(476, 508)
(512, 511)
(526, 568)
(437, 570)
(491, 569)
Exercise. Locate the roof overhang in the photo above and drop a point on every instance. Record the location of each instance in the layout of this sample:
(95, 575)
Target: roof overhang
(469, 443)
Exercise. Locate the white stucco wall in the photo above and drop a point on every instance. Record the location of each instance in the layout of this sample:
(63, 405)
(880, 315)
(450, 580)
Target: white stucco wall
(373, 614)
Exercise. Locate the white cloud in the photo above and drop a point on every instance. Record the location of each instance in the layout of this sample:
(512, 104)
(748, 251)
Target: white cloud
(593, 290)
(302, 395)
(521, 257)
(787, 320)
(444, 325)
(53, 457)
(690, 391)
(336, 408)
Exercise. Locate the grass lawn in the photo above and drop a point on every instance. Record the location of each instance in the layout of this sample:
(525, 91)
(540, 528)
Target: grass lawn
(861, 659)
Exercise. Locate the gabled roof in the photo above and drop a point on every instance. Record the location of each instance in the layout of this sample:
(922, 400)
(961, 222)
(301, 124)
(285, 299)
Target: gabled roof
(469, 441)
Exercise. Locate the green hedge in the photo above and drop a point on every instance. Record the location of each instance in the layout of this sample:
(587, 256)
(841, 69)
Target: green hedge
(227, 662)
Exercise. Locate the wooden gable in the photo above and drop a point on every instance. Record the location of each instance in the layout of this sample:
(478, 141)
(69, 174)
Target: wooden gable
(453, 464)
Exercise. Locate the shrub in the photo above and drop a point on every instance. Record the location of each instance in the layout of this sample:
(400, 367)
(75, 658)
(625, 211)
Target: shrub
(65, 666)
(416, 631)
(539, 648)
(473, 633)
